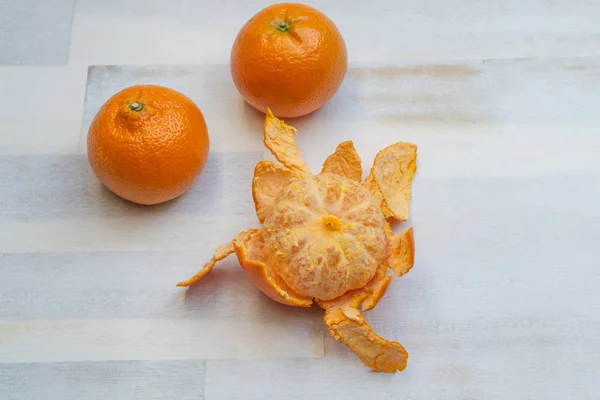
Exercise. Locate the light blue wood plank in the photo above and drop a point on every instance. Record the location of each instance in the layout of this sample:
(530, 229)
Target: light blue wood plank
(115, 380)
(155, 339)
(43, 195)
(470, 361)
(383, 31)
(135, 285)
(64, 186)
(33, 32)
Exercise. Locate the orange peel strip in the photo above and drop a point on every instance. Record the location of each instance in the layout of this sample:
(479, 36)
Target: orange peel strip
(349, 327)
(390, 179)
(249, 253)
(220, 253)
(346, 324)
(279, 138)
(269, 180)
(345, 162)
(401, 257)
(377, 289)
(366, 297)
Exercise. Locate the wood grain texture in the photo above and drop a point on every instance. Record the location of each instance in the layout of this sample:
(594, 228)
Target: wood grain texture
(473, 365)
(151, 339)
(495, 118)
(379, 31)
(64, 186)
(41, 109)
(33, 33)
(43, 195)
(117, 380)
(128, 285)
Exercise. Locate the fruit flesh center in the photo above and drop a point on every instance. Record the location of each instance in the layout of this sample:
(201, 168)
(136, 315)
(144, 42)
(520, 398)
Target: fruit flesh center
(326, 236)
(332, 223)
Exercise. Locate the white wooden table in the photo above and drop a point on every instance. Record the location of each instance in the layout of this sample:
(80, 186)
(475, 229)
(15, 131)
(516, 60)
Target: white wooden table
(502, 99)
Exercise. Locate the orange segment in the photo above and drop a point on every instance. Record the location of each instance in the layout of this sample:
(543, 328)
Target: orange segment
(349, 327)
(221, 253)
(390, 179)
(250, 253)
(401, 256)
(279, 138)
(268, 181)
(344, 162)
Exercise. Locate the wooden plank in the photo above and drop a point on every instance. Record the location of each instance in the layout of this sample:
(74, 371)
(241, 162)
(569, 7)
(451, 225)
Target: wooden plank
(154, 339)
(496, 118)
(55, 203)
(33, 33)
(381, 31)
(121, 234)
(41, 109)
(43, 187)
(128, 285)
(468, 360)
(100, 380)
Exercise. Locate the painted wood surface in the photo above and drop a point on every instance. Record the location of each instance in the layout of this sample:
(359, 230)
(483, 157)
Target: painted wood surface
(504, 300)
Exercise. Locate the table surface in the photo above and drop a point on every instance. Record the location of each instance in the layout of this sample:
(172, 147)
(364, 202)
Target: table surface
(502, 99)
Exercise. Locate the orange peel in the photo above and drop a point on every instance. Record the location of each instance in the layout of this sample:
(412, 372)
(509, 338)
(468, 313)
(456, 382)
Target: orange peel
(401, 256)
(249, 252)
(269, 179)
(345, 162)
(349, 327)
(325, 238)
(391, 177)
(280, 139)
(220, 254)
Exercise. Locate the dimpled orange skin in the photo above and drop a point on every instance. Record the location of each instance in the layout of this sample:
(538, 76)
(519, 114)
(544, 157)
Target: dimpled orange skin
(148, 143)
(325, 238)
(290, 58)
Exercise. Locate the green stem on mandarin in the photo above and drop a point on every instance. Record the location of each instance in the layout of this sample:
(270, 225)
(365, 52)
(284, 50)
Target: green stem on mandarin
(284, 26)
(135, 106)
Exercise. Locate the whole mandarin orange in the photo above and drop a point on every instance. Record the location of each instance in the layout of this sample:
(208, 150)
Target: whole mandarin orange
(289, 57)
(148, 144)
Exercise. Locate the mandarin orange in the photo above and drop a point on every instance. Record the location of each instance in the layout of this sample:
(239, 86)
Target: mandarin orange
(289, 57)
(324, 238)
(148, 144)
